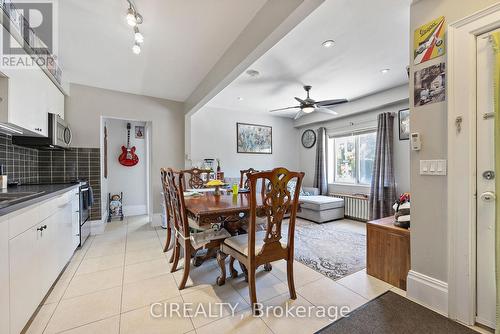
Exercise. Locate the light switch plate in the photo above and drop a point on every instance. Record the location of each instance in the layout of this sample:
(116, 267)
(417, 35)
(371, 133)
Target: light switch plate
(433, 167)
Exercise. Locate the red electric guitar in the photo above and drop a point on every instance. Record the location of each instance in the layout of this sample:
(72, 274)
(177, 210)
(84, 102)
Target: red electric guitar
(128, 157)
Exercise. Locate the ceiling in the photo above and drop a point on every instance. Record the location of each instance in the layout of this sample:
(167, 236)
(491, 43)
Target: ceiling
(369, 36)
(183, 41)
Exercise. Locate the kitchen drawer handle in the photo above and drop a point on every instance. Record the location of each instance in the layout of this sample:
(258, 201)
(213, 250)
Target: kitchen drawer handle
(41, 228)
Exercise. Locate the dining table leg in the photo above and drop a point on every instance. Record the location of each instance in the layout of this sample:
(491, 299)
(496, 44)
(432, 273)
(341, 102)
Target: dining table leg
(221, 260)
(232, 270)
(244, 270)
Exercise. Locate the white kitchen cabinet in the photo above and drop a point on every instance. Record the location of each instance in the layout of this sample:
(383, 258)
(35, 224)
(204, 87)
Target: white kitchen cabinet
(27, 96)
(25, 280)
(4, 276)
(38, 255)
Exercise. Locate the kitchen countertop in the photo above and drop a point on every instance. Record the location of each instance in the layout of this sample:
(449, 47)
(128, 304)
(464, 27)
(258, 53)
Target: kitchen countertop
(47, 191)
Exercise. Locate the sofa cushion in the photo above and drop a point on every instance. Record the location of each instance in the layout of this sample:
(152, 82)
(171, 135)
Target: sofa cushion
(320, 203)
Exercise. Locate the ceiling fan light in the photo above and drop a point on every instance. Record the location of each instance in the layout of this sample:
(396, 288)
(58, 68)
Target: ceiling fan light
(308, 110)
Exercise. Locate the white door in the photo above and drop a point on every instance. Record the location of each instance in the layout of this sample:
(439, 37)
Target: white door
(485, 186)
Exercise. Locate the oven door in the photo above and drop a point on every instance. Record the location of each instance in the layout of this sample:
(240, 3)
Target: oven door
(84, 214)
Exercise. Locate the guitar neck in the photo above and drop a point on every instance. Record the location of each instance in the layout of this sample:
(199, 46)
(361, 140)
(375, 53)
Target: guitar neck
(128, 135)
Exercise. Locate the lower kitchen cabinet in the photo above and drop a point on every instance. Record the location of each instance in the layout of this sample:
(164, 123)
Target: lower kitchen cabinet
(36, 258)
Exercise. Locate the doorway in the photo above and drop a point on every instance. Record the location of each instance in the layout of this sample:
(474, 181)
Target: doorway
(130, 178)
(485, 180)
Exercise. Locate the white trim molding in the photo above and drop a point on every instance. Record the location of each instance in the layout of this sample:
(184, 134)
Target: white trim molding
(428, 291)
(461, 83)
(135, 210)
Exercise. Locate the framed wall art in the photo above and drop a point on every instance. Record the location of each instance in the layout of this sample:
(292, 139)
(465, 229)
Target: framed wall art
(404, 124)
(254, 138)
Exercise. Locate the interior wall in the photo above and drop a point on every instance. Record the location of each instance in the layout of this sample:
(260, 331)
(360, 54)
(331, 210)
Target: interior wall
(129, 180)
(86, 105)
(429, 235)
(213, 135)
(353, 123)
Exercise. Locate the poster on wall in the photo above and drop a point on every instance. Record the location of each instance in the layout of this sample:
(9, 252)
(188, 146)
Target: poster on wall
(429, 41)
(404, 124)
(430, 85)
(253, 138)
(139, 132)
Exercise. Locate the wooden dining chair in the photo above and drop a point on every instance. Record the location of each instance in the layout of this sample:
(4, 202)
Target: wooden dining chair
(168, 211)
(195, 178)
(243, 177)
(261, 247)
(182, 240)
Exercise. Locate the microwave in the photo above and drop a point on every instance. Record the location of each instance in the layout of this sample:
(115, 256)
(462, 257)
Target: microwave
(59, 136)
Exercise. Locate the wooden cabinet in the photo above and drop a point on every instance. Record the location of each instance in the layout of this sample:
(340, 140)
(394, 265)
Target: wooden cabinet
(37, 255)
(388, 252)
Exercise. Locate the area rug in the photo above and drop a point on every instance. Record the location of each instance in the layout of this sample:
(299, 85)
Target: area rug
(391, 313)
(335, 249)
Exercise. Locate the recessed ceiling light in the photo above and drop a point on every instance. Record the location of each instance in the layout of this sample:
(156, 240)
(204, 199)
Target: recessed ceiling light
(253, 73)
(385, 70)
(328, 44)
(240, 98)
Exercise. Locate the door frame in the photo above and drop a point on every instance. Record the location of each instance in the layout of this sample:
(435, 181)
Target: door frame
(462, 195)
(148, 135)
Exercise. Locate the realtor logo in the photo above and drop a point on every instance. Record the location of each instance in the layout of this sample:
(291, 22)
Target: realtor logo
(28, 36)
(33, 22)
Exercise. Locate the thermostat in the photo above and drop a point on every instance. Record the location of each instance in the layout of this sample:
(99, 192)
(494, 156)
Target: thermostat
(416, 143)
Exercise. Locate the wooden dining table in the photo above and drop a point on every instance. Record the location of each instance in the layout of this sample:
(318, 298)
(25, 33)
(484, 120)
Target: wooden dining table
(226, 210)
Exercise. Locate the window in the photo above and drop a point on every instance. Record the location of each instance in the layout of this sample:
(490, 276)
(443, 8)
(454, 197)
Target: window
(350, 158)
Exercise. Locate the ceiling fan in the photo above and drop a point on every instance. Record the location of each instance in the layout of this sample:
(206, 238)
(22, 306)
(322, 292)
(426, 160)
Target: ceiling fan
(309, 105)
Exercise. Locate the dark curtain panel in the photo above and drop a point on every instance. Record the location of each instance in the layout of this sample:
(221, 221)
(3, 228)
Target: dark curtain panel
(383, 188)
(320, 176)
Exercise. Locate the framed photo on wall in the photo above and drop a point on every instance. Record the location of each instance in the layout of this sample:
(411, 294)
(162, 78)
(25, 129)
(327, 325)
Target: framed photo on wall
(254, 138)
(404, 124)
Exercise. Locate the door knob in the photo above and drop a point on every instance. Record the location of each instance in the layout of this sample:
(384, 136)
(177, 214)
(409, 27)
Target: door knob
(488, 196)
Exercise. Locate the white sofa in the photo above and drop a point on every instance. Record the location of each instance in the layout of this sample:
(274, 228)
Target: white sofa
(320, 209)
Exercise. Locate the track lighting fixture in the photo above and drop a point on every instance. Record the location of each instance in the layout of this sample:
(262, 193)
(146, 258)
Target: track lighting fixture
(134, 19)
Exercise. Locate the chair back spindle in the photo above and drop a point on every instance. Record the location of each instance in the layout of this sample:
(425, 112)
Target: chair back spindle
(272, 202)
(195, 178)
(174, 181)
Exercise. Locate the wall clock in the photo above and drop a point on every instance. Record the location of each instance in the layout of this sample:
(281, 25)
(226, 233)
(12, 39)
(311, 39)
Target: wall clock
(308, 138)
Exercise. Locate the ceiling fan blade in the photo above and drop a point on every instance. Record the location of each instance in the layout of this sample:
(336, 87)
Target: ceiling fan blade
(298, 115)
(328, 103)
(326, 111)
(282, 109)
(300, 100)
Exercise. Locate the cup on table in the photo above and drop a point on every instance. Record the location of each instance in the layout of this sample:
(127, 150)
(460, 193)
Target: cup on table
(235, 189)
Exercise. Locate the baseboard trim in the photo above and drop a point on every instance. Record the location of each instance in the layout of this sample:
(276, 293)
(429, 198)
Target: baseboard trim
(134, 210)
(428, 291)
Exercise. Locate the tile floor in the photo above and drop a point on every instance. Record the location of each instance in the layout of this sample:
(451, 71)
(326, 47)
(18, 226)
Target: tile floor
(111, 282)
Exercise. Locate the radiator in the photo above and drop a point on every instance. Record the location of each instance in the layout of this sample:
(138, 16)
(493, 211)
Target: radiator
(355, 206)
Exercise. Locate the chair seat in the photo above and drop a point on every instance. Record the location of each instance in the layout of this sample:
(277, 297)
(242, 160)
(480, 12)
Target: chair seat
(240, 242)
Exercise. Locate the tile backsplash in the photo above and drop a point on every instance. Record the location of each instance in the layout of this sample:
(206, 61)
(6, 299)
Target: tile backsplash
(21, 163)
(28, 165)
(72, 164)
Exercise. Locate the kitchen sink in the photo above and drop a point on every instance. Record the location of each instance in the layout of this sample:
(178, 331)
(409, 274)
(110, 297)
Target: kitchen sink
(14, 197)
